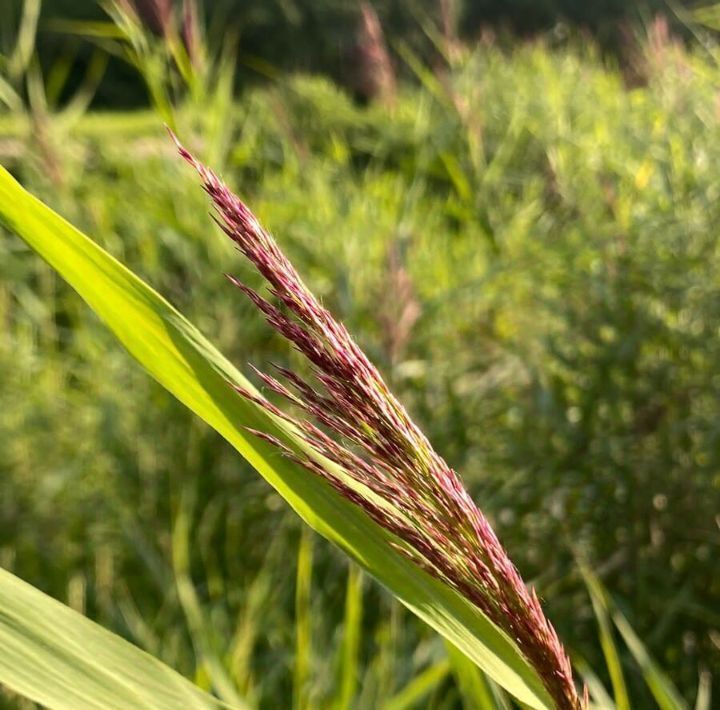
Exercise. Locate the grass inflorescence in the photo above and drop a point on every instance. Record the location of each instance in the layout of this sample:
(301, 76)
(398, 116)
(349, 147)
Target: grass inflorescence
(415, 494)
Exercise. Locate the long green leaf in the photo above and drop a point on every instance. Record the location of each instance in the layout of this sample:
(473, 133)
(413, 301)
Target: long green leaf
(303, 623)
(419, 687)
(703, 700)
(57, 657)
(599, 697)
(352, 630)
(474, 687)
(598, 597)
(199, 626)
(665, 693)
(187, 365)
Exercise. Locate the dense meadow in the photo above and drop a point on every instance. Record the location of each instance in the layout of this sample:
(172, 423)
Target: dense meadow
(526, 243)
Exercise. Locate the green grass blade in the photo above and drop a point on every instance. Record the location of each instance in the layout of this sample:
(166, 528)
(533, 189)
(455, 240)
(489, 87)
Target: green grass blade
(703, 700)
(250, 623)
(58, 658)
(612, 657)
(189, 367)
(9, 96)
(350, 650)
(303, 622)
(419, 687)
(666, 695)
(599, 697)
(27, 34)
(474, 688)
(664, 692)
(200, 628)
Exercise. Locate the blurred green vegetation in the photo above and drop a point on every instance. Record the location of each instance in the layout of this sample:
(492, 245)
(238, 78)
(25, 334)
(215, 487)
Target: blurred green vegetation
(526, 247)
(320, 36)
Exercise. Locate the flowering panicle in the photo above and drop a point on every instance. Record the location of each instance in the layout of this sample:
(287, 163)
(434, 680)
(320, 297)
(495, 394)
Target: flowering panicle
(386, 464)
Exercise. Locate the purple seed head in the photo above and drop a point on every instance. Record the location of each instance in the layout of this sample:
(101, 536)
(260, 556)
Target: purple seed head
(351, 418)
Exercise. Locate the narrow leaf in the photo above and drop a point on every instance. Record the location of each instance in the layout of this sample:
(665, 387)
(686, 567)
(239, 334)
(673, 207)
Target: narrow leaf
(303, 622)
(662, 688)
(474, 688)
(703, 700)
(665, 693)
(352, 627)
(60, 659)
(612, 657)
(419, 687)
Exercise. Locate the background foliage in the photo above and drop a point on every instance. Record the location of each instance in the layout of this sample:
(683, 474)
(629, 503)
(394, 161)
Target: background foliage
(528, 249)
(294, 35)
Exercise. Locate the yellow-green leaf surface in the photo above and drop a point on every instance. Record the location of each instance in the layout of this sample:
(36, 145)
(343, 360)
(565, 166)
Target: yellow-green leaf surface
(187, 365)
(58, 658)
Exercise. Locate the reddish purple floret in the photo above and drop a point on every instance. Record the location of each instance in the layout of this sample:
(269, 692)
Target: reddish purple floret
(352, 419)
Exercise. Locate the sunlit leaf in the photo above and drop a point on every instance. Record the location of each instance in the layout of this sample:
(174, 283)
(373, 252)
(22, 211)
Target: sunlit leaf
(189, 367)
(60, 659)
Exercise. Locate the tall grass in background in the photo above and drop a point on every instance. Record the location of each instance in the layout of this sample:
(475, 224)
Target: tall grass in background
(526, 247)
